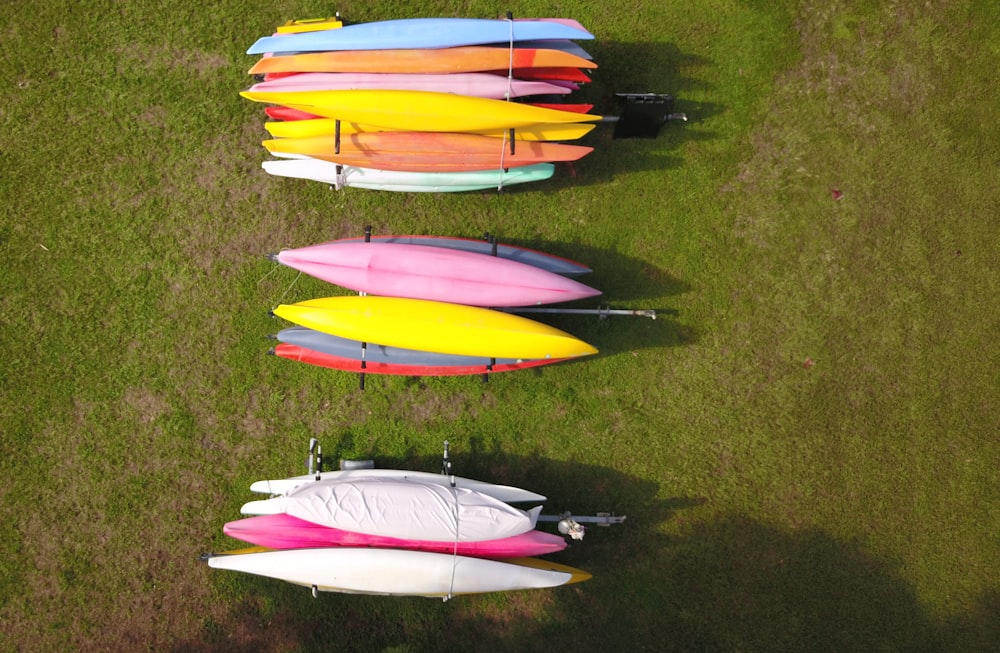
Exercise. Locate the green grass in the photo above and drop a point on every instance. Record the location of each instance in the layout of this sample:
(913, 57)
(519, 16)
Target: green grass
(773, 504)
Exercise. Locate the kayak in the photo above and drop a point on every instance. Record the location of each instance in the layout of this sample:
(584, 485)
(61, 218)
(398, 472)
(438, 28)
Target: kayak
(341, 176)
(444, 275)
(315, 126)
(401, 508)
(549, 262)
(473, 84)
(551, 74)
(398, 572)
(576, 108)
(418, 110)
(292, 115)
(309, 25)
(451, 60)
(283, 531)
(434, 326)
(314, 24)
(563, 46)
(411, 33)
(425, 151)
(505, 493)
(356, 365)
(311, 342)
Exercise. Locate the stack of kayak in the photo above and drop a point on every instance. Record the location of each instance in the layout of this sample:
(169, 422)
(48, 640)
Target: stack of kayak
(425, 307)
(424, 104)
(395, 532)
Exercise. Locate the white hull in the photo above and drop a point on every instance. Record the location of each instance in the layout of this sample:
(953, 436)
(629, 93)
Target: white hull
(404, 509)
(504, 493)
(298, 167)
(398, 572)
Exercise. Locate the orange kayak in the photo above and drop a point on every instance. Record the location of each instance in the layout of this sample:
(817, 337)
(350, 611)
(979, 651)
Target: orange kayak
(446, 60)
(426, 151)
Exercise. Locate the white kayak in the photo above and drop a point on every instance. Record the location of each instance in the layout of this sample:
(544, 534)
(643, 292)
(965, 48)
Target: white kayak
(397, 572)
(341, 176)
(404, 509)
(505, 493)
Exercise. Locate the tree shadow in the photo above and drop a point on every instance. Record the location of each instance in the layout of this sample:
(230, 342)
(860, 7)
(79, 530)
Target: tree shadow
(723, 583)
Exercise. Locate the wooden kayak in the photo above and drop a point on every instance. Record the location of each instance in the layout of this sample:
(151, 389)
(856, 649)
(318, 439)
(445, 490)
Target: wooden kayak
(283, 531)
(474, 84)
(426, 151)
(294, 128)
(434, 326)
(424, 111)
(364, 570)
(452, 60)
(357, 366)
(421, 272)
(341, 176)
(412, 33)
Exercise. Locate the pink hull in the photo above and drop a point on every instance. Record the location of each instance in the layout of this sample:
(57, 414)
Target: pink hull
(283, 531)
(433, 273)
(475, 84)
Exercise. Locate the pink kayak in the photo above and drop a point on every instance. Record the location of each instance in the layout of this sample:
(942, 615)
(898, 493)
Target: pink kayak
(283, 531)
(433, 273)
(484, 85)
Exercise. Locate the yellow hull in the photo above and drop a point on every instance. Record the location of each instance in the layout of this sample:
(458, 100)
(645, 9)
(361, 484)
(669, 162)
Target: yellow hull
(576, 575)
(309, 25)
(326, 127)
(418, 110)
(435, 327)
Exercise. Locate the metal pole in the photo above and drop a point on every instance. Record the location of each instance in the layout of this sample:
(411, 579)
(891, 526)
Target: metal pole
(600, 312)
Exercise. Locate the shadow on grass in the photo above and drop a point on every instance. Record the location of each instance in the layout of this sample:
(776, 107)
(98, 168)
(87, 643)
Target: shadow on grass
(660, 68)
(618, 276)
(726, 583)
(622, 334)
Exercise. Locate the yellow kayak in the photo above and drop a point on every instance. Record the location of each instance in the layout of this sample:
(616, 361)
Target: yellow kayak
(327, 126)
(434, 327)
(418, 110)
(309, 25)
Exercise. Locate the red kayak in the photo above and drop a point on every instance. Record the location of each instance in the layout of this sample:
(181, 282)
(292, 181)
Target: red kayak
(320, 359)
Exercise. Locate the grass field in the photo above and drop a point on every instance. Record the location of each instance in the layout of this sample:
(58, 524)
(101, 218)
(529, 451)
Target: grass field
(805, 442)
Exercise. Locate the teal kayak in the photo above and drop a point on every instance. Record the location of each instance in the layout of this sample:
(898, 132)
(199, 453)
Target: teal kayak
(407, 182)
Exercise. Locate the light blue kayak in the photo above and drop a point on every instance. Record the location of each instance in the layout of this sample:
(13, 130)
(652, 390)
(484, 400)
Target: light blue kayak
(418, 33)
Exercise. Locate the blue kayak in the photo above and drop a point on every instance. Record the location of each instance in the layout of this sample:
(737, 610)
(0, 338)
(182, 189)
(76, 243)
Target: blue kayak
(345, 348)
(418, 33)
